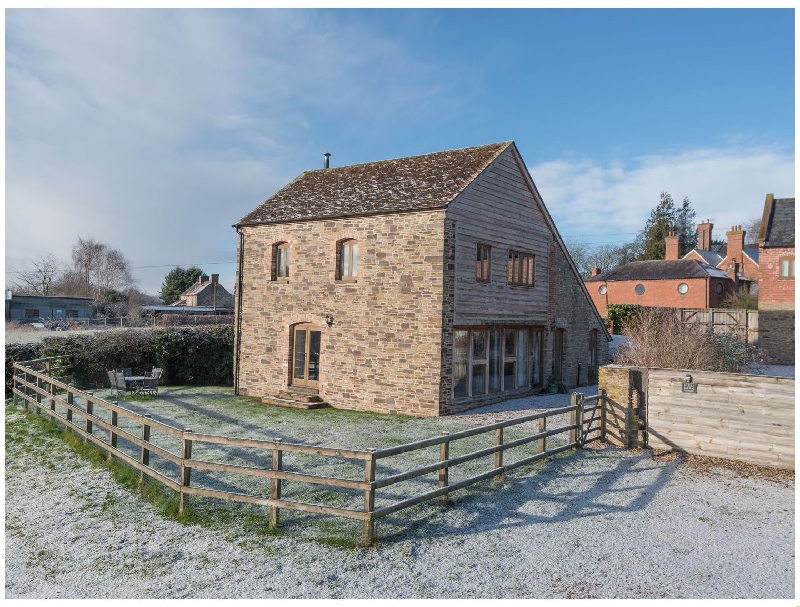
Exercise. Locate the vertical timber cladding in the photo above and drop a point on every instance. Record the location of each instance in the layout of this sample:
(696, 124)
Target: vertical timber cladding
(742, 417)
(382, 350)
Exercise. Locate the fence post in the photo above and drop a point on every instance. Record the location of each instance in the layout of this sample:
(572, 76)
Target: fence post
(573, 419)
(444, 473)
(275, 489)
(498, 456)
(542, 429)
(89, 410)
(145, 457)
(603, 415)
(113, 425)
(38, 394)
(70, 401)
(186, 471)
(368, 530)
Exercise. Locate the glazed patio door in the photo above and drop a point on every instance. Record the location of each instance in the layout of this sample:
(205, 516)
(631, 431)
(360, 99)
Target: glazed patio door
(305, 356)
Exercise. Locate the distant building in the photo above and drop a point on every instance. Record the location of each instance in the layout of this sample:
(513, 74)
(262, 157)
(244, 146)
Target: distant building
(33, 308)
(724, 256)
(207, 294)
(776, 285)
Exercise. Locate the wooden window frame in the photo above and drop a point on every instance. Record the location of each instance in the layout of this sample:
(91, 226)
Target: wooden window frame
(483, 266)
(344, 251)
(484, 362)
(521, 268)
(781, 275)
(281, 252)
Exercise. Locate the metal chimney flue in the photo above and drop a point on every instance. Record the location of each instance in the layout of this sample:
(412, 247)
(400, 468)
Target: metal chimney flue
(327, 161)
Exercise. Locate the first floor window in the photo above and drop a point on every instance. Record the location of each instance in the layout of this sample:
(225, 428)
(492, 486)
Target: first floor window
(347, 262)
(280, 260)
(482, 263)
(787, 267)
(520, 268)
(29, 313)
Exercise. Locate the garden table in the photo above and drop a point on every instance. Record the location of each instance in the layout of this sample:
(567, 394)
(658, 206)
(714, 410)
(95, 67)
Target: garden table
(137, 382)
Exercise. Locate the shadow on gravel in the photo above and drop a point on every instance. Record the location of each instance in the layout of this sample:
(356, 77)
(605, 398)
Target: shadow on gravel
(561, 490)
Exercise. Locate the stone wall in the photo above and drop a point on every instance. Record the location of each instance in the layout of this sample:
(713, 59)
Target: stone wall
(776, 335)
(624, 401)
(382, 351)
(573, 312)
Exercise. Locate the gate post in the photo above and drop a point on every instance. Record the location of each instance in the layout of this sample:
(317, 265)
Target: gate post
(603, 406)
(368, 530)
(186, 471)
(275, 489)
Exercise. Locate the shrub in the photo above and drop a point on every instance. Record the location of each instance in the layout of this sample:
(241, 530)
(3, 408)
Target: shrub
(741, 299)
(621, 314)
(16, 353)
(188, 355)
(657, 338)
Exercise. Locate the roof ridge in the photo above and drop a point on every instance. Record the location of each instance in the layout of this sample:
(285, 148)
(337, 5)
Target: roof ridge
(504, 145)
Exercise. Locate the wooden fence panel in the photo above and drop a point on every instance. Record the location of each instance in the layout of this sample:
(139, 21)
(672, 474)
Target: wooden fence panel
(742, 417)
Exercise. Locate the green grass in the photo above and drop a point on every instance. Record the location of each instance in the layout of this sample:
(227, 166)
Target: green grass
(217, 411)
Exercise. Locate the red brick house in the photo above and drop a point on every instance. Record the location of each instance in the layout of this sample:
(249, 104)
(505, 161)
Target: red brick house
(776, 285)
(667, 283)
(724, 256)
(421, 285)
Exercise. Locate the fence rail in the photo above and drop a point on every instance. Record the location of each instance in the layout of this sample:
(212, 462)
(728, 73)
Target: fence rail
(131, 437)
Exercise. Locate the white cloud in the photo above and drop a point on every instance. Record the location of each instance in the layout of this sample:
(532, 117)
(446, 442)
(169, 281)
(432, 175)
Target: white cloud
(610, 202)
(154, 131)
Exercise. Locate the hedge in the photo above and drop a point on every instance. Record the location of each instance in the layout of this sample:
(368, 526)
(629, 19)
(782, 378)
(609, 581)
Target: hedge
(189, 355)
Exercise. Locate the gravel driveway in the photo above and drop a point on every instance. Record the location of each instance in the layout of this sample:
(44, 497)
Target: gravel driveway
(602, 523)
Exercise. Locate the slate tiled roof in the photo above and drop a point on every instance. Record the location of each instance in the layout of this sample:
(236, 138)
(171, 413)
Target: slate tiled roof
(403, 184)
(712, 258)
(752, 253)
(780, 228)
(660, 269)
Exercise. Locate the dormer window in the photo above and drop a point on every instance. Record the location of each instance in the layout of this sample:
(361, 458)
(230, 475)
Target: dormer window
(280, 260)
(347, 260)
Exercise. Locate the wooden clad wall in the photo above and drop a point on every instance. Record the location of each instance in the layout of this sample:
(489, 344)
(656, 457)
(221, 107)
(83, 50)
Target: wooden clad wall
(498, 209)
(742, 417)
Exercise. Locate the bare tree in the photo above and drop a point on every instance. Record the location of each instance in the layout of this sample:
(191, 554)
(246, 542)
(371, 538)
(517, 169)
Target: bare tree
(38, 280)
(605, 257)
(85, 259)
(113, 271)
(751, 228)
(100, 267)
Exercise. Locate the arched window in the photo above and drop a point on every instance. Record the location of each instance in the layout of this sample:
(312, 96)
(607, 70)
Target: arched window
(280, 260)
(347, 260)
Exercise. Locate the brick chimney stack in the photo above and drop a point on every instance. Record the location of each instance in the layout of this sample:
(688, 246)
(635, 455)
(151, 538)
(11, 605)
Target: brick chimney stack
(704, 235)
(202, 279)
(673, 246)
(733, 271)
(735, 243)
(595, 271)
(214, 279)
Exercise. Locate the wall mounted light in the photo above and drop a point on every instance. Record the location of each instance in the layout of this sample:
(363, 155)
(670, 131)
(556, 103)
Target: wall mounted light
(687, 379)
(329, 320)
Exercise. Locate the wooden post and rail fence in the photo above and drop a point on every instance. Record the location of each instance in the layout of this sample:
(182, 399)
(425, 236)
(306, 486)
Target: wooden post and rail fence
(107, 424)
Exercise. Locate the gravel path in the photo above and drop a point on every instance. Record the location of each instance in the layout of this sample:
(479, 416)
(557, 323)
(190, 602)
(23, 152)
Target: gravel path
(602, 523)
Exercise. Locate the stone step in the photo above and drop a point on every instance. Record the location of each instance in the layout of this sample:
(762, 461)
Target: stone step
(294, 404)
(302, 397)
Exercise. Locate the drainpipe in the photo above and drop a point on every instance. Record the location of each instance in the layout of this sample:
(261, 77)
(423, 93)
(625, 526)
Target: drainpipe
(238, 352)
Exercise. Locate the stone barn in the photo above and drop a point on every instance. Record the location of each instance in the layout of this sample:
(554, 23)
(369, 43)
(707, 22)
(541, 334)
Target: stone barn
(423, 285)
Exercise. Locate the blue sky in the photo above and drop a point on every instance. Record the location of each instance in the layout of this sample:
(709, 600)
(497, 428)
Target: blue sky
(155, 130)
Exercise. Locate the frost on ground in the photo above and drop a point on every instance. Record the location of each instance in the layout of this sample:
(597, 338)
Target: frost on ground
(600, 523)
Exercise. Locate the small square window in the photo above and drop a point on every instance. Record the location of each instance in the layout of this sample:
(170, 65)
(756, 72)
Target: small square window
(31, 314)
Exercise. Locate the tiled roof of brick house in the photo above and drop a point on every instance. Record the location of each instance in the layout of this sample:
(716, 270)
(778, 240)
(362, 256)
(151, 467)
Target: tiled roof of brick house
(414, 183)
(779, 231)
(660, 269)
